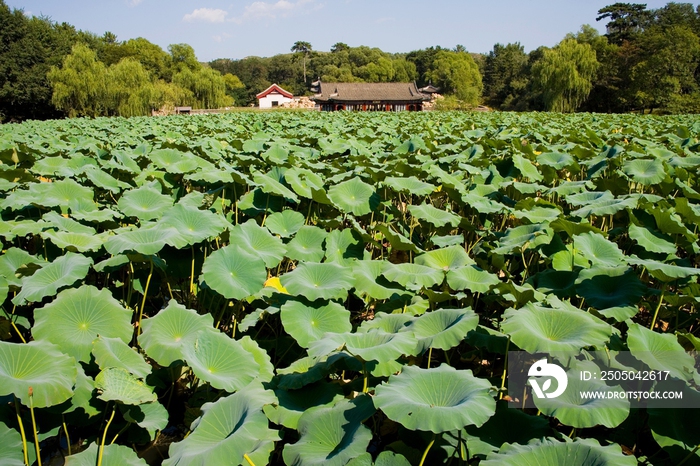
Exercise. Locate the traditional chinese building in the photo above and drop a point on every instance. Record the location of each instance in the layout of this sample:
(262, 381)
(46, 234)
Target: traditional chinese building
(367, 97)
(274, 96)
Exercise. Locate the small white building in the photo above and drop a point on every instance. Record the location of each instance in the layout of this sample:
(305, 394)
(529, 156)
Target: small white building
(273, 96)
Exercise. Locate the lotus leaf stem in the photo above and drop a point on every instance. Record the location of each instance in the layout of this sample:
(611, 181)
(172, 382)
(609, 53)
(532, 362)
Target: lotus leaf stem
(18, 332)
(247, 458)
(658, 306)
(21, 431)
(104, 436)
(65, 429)
(192, 271)
(36, 435)
(143, 301)
(430, 355)
(689, 455)
(120, 432)
(427, 449)
(505, 372)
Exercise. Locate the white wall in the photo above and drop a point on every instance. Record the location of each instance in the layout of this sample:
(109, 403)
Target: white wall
(266, 102)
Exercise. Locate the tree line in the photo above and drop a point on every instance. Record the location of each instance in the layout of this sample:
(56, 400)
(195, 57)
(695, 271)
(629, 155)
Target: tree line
(648, 61)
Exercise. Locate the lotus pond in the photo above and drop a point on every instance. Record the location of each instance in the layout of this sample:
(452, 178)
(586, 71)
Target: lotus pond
(337, 288)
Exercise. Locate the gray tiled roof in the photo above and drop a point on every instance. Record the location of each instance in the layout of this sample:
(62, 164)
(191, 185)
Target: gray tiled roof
(362, 92)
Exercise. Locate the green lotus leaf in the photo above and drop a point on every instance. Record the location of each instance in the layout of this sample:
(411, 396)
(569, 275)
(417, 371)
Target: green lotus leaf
(331, 436)
(662, 271)
(523, 236)
(571, 409)
(551, 452)
(435, 400)
(367, 273)
(471, 278)
(307, 184)
(77, 316)
(112, 264)
(599, 250)
(606, 287)
(526, 168)
(447, 240)
(413, 276)
(389, 323)
(229, 428)
(256, 240)
(11, 450)
(410, 184)
(285, 223)
(66, 224)
(267, 370)
(144, 203)
(63, 193)
(171, 330)
(308, 370)
(375, 345)
(113, 455)
(385, 458)
(293, 404)
(556, 160)
(80, 242)
(398, 241)
(150, 416)
(605, 207)
(147, 240)
(676, 429)
(114, 352)
(174, 161)
(83, 394)
(307, 323)
(234, 273)
(12, 260)
(104, 180)
(192, 225)
(344, 246)
(661, 352)
(39, 365)
(354, 196)
(538, 214)
(216, 358)
(46, 281)
(589, 197)
(538, 329)
(4, 289)
(307, 244)
(434, 216)
(443, 328)
(318, 281)
(652, 240)
(619, 313)
(117, 384)
(449, 258)
(645, 171)
(269, 185)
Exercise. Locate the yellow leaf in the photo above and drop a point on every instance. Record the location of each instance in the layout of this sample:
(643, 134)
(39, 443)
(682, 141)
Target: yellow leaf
(274, 282)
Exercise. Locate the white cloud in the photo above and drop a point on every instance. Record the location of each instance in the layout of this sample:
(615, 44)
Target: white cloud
(134, 2)
(273, 10)
(210, 15)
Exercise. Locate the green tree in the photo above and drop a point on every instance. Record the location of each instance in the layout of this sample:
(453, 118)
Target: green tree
(79, 86)
(626, 20)
(339, 47)
(665, 77)
(130, 89)
(304, 48)
(564, 75)
(207, 87)
(183, 57)
(151, 56)
(457, 73)
(506, 76)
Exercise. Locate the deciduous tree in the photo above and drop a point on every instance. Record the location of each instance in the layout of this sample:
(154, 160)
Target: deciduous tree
(457, 73)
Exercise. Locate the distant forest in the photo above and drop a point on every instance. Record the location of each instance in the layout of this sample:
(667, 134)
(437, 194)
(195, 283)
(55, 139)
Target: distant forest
(648, 61)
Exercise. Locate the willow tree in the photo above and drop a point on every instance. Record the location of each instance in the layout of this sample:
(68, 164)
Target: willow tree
(130, 89)
(565, 74)
(206, 85)
(457, 74)
(79, 86)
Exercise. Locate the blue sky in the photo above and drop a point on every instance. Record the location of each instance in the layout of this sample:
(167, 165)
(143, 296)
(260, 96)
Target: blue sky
(236, 29)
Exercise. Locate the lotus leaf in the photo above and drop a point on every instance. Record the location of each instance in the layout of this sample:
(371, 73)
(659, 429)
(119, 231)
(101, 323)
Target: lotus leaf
(471, 278)
(449, 258)
(651, 240)
(113, 455)
(318, 281)
(171, 330)
(535, 329)
(599, 250)
(149, 239)
(366, 275)
(117, 384)
(114, 352)
(332, 436)
(229, 428)
(443, 328)
(285, 223)
(435, 216)
(354, 196)
(77, 316)
(523, 237)
(267, 370)
(661, 352)
(662, 271)
(192, 225)
(293, 403)
(375, 345)
(551, 452)
(410, 185)
(10, 446)
(253, 239)
(308, 322)
(221, 361)
(233, 272)
(606, 287)
(80, 242)
(435, 400)
(413, 276)
(307, 244)
(645, 171)
(150, 416)
(39, 365)
(60, 273)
